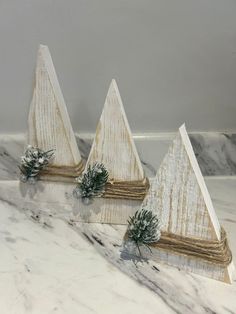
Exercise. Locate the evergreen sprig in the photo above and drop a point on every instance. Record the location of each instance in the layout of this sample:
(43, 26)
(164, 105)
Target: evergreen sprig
(92, 183)
(144, 228)
(33, 162)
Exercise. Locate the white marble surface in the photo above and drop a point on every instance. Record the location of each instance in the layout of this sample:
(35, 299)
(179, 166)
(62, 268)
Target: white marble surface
(52, 264)
(47, 267)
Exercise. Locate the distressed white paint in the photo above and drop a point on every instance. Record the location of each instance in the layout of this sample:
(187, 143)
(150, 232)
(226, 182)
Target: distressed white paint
(106, 210)
(49, 122)
(196, 266)
(113, 144)
(180, 197)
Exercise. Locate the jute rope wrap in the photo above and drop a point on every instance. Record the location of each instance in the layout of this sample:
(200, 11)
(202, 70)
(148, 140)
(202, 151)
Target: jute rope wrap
(135, 190)
(213, 252)
(64, 171)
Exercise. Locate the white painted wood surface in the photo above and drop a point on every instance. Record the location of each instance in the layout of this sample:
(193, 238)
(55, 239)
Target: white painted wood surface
(106, 210)
(196, 266)
(113, 144)
(180, 197)
(49, 122)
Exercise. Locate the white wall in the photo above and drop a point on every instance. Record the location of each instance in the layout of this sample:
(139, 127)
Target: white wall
(174, 60)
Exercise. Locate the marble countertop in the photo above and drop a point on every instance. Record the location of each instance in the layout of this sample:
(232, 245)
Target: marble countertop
(52, 264)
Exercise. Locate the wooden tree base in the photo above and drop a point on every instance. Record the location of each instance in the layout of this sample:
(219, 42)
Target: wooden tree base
(193, 265)
(104, 210)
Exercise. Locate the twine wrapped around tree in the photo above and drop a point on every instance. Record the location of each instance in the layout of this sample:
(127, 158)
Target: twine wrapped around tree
(213, 252)
(94, 183)
(134, 190)
(65, 171)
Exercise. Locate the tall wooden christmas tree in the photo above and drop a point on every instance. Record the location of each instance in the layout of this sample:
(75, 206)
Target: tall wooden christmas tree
(192, 238)
(49, 122)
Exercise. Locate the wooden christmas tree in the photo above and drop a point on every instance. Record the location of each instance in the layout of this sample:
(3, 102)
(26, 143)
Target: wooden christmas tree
(192, 238)
(49, 122)
(113, 146)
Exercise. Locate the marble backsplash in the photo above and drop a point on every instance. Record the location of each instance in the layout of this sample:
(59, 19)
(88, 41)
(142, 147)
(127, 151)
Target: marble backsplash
(216, 152)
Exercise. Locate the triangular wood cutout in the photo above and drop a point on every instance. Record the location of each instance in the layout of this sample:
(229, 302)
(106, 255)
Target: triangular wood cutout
(113, 144)
(49, 122)
(114, 147)
(180, 197)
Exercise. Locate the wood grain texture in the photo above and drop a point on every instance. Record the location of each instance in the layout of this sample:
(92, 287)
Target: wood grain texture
(196, 266)
(180, 197)
(49, 123)
(104, 210)
(113, 144)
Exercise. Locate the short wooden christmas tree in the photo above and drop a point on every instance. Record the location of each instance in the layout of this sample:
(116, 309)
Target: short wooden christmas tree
(191, 236)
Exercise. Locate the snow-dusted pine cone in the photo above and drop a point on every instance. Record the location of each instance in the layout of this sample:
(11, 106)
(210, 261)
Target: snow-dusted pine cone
(33, 162)
(144, 228)
(92, 183)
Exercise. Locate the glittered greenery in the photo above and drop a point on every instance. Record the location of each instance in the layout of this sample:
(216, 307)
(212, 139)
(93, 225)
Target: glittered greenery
(92, 183)
(143, 228)
(33, 162)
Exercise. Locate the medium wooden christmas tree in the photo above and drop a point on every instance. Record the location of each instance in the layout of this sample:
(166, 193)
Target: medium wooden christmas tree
(113, 144)
(49, 123)
(114, 147)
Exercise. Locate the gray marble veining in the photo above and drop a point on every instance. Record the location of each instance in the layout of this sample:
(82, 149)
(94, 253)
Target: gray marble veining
(51, 261)
(216, 153)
